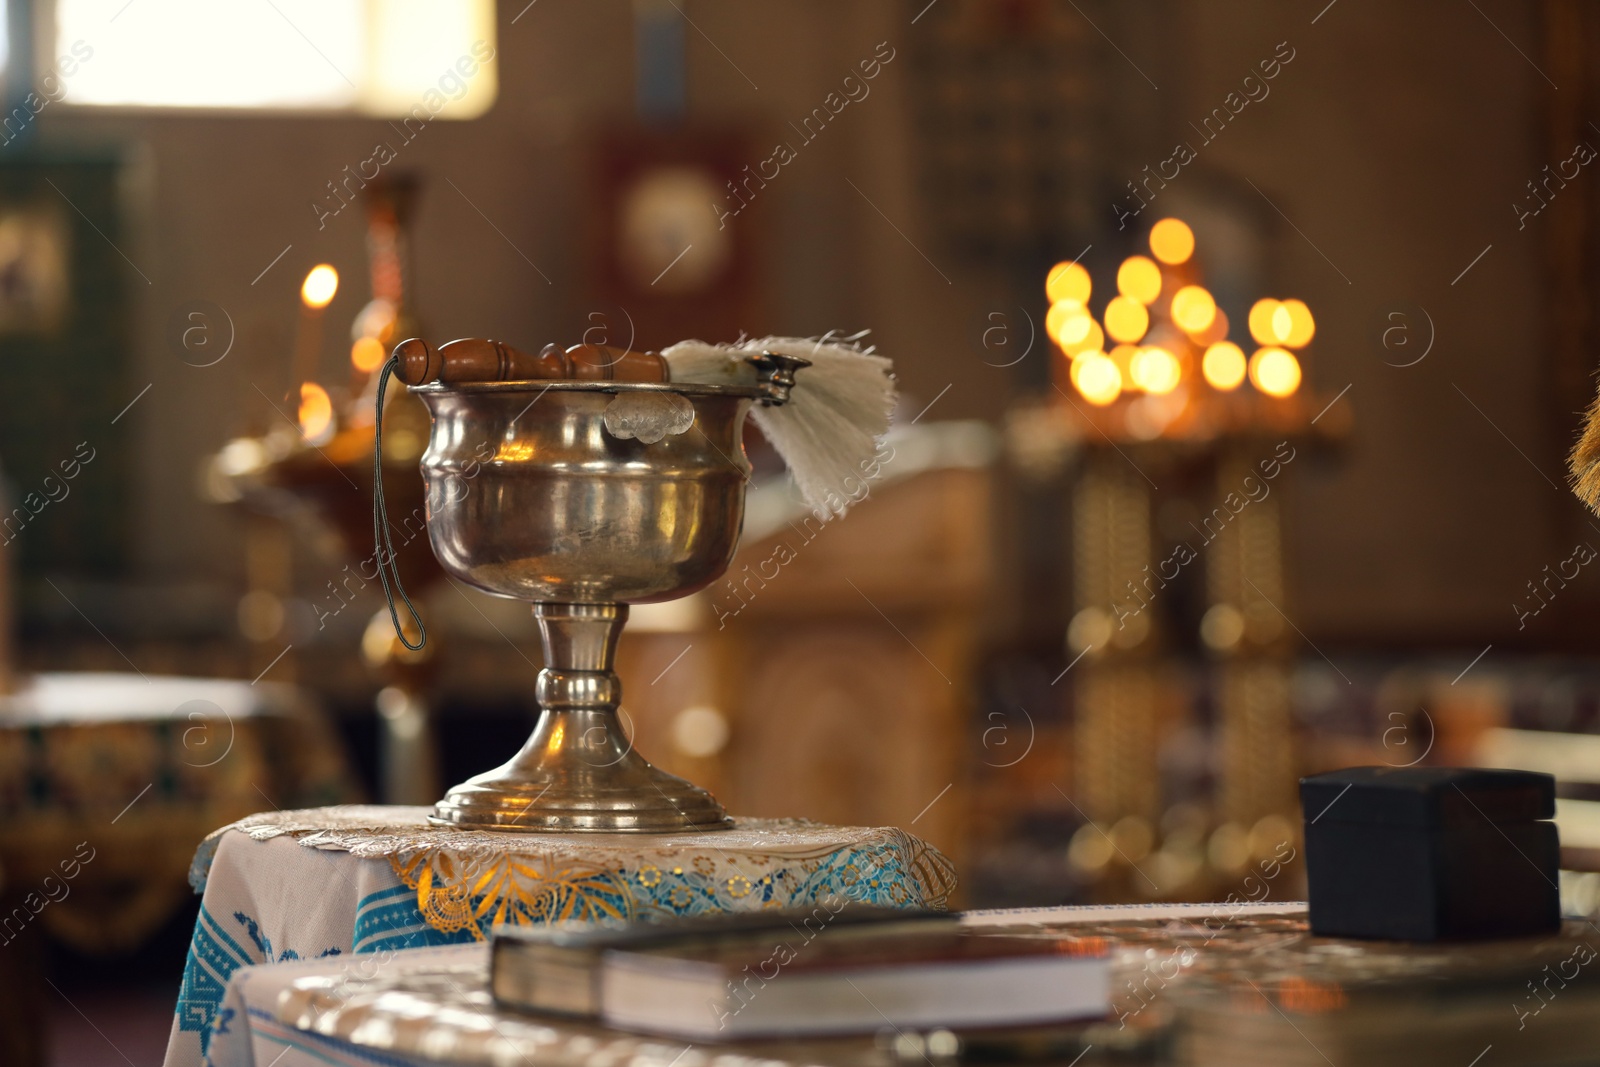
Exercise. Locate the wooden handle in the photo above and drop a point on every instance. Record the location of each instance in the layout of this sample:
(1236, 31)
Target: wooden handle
(473, 359)
(604, 363)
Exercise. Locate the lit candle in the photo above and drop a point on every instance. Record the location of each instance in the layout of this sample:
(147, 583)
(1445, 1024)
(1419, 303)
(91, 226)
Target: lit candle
(316, 293)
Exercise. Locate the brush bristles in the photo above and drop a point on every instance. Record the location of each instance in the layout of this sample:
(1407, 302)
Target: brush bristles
(1584, 463)
(703, 364)
(828, 432)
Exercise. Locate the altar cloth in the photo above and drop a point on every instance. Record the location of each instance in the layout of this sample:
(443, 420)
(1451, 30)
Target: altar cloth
(297, 885)
(432, 1005)
(1208, 985)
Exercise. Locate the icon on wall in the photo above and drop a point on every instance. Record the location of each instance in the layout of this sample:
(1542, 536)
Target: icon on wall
(33, 268)
(667, 237)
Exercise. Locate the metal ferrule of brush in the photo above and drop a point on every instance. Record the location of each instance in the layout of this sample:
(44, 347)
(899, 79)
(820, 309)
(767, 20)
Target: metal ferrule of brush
(777, 375)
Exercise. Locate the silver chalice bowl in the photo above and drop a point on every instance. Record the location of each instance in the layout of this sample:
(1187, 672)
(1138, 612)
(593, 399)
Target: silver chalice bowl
(584, 497)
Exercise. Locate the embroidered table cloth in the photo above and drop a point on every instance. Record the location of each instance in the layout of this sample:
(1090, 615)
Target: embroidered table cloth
(414, 1007)
(297, 885)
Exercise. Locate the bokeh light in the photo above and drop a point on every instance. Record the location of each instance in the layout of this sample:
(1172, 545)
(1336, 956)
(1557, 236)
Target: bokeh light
(1302, 327)
(1096, 378)
(322, 281)
(1193, 309)
(1067, 281)
(1122, 356)
(1126, 319)
(1133, 348)
(1223, 366)
(1094, 340)
(1217, 331)
(1156, 371)
(316, 411)
(1172, 241)
(366, 354)
(1282, 324)
(1067, 321)
(1275, 371)
(1139, 279)
(1261, 316)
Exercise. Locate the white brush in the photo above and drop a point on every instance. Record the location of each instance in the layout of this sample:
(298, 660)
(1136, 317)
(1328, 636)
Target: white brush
(828, 432)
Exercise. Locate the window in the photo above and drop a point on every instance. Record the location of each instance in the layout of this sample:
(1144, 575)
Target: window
(375, 57)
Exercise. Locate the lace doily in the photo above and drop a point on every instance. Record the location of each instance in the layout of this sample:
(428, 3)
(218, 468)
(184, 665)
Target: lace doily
(472, 879)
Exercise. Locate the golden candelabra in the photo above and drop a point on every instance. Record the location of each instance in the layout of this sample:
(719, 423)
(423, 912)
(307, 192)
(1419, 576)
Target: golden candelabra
(1116, 699)
(1154, 384)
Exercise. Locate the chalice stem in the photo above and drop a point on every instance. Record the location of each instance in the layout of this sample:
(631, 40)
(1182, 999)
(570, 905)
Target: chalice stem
(578, 690)
(579, 771)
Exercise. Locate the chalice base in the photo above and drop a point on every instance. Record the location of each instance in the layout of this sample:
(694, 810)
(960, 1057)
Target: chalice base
(578, 772)
(552, 788)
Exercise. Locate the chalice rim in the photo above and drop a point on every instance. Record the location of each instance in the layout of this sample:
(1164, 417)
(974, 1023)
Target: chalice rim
(566, 385)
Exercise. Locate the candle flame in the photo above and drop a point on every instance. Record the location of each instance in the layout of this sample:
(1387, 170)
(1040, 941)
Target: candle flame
(321, 283)
(1140, 279)
(1067, 280)
(1275, 371)
(316, 410)
(1224, 366)
(1156, 371)
(1172, 241)
(1193, 308)
(1096, 377)
(1302, 327)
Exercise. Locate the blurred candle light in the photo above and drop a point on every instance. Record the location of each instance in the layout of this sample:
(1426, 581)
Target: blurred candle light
(1172, 241)
(1122, 356)
(1144, 351)
(1275, 371)
(318, 290)
(1126, 319)
(316, 293)
(366, 355)
(1067, 281)
(1074, 329)
(1262, 312)
(1193, 309)
(1096, 378)
(1139, 279)
(316, 412)
(1223, 366)
(1217, 331)
(1092, 341)
(1060, 313)
(1282, 324)
(1156, 371)
(1301, 325)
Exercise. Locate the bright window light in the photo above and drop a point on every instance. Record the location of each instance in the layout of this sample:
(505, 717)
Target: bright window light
(374, 57)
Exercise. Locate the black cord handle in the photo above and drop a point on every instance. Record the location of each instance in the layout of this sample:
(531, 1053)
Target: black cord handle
(383, 546)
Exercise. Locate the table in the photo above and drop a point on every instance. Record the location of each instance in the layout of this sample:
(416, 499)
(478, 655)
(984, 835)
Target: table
(116, 775)
(1207, 985)
(106, 782)
(289, 886)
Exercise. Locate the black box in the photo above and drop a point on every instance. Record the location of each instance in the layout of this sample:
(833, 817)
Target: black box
(1431, 853)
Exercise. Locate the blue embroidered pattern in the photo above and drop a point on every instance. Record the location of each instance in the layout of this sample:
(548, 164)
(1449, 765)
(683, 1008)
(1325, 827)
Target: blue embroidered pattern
(214, 955)
(459, 890)
(876, 874)
(388, 920)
